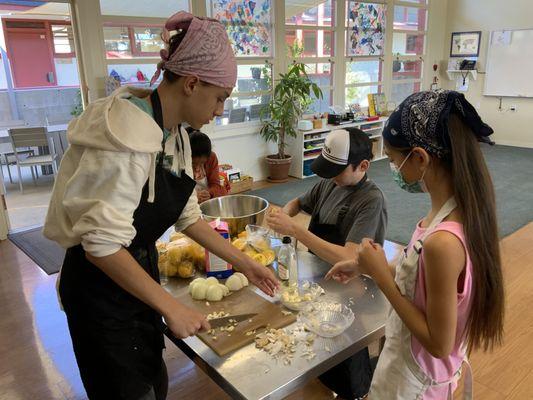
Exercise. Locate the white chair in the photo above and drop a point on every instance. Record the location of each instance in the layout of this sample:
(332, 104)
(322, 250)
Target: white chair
(32, 137)
(6, 150)
(61, 119)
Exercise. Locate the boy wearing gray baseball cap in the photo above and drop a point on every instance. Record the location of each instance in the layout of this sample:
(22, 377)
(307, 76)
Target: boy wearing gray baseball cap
(345, 207)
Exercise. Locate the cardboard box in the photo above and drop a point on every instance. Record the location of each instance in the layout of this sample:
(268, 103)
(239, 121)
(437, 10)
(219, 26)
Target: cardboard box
(243, 185)
(214, 265)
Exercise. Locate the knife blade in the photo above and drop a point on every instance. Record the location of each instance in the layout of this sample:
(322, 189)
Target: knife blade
(218, 322)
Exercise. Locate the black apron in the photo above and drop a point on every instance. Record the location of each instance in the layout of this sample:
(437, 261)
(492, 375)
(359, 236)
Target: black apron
(117, 338)
(350, 378)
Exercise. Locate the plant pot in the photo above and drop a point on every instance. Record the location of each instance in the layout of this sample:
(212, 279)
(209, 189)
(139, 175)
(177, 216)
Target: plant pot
(278, 168)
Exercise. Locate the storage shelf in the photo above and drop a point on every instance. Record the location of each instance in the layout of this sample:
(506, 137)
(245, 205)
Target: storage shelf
(302, 157)
(312, 140)
(453, 73)
(314, 148)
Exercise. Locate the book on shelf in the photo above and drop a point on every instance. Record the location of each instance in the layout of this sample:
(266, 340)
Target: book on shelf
(377, 104)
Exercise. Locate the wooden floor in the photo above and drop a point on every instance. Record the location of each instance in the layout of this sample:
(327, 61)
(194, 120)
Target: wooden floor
(36, 359)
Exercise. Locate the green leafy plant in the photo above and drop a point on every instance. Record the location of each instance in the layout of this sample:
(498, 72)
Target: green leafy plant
(292, 96)
(78, 107)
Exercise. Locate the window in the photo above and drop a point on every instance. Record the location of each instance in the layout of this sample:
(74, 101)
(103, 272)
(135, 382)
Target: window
(298, 13)
(248, 23)
(312, 30)
(250, 96)
(322, 75)
(359, 94)
(117, 42)
(137, 8)
(402, 90)
(63, 40)
(147, 40)
(250, 31)
(421, 2)
(408, 48)
(132, 41)
(365, 33)
(132, 74)
(365, 47)
(132, 36)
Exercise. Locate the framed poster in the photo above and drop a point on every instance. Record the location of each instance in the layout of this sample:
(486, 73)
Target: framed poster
(465, 44)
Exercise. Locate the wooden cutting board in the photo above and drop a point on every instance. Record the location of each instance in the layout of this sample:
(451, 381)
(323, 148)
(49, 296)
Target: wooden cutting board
(244, 301)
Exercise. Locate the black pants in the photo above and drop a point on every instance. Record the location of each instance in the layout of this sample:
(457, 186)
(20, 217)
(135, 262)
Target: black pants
(119, 361)
(351, 378)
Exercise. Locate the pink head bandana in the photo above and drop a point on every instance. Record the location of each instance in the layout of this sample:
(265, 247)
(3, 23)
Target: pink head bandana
(205, 51)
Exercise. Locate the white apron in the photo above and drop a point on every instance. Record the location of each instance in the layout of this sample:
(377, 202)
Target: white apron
(398, 376)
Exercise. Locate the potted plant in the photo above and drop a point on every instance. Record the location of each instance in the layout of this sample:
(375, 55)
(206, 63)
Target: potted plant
(291, 98)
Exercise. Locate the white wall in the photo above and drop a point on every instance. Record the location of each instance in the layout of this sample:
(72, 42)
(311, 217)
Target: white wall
(513, 128)
(245, 150)
(67, 71)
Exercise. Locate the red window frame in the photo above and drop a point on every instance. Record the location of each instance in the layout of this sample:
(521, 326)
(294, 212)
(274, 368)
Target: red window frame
(131, 34)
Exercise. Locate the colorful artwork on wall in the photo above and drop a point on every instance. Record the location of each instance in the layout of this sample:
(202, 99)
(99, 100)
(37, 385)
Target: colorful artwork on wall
(366, 29)
(248, 23)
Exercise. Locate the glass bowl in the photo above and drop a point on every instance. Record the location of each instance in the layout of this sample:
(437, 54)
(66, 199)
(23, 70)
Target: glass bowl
(326, 319)
(296, 298)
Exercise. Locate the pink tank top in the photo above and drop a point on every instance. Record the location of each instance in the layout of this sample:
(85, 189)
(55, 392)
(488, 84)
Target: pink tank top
(442, 369)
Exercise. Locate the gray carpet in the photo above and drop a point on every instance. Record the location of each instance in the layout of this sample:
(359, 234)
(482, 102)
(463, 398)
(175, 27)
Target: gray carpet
(47, 254)
(510, 167)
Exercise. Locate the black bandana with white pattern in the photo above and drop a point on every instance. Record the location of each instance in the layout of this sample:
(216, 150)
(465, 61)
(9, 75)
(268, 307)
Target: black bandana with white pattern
(421, 120)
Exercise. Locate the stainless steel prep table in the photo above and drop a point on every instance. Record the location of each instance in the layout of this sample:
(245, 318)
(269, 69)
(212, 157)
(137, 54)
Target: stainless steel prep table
(249, 373)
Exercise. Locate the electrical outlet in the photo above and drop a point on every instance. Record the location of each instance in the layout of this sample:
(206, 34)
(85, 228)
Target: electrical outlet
(512, 108)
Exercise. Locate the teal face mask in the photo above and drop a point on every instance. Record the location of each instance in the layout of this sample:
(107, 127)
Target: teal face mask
(415, 187)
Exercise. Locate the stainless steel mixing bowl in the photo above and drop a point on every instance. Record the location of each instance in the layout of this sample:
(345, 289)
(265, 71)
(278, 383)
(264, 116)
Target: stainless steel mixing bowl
(237, 210)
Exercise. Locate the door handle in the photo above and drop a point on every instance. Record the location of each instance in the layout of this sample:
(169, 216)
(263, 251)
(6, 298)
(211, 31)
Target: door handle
(50, 77)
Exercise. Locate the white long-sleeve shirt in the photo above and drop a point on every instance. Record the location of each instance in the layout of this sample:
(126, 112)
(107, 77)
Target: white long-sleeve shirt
(112, 155)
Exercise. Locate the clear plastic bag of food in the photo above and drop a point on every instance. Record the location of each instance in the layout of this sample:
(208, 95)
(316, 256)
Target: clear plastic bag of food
(255, 243)
(181, 258)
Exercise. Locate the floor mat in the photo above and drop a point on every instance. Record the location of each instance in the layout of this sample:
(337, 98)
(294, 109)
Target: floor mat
(510, 168)
(45, 253)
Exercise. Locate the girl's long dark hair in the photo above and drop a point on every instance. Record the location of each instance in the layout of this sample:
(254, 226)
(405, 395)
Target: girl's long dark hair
(474, 193)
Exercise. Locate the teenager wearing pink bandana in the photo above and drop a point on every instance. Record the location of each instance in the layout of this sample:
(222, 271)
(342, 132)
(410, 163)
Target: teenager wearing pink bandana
(125, 179)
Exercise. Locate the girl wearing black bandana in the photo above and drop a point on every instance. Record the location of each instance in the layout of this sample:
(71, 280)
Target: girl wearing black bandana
(446, 293)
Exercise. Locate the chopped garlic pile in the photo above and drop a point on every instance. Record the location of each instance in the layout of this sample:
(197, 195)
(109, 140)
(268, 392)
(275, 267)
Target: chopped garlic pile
(282, 344)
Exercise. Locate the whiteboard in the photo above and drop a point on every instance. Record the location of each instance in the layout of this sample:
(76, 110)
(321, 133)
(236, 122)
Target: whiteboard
(510, 64)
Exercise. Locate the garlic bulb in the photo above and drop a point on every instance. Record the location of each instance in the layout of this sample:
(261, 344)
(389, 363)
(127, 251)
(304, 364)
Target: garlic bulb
(234, 283)
(225, 290)
(198, 291)
(197, 280)
(242, 277)
(211, 281)
(214, 293)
